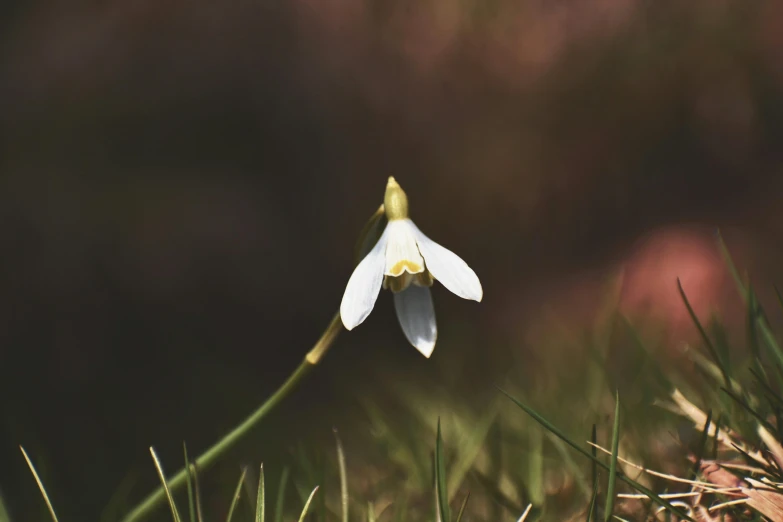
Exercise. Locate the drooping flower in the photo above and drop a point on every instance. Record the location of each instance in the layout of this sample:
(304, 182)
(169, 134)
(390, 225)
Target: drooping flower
(406, 262)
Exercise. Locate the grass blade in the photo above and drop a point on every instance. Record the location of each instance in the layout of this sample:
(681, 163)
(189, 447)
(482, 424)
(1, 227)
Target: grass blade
(159, 467)
(591, 509)
(237, 494)
(193, 471)
(440, 478)
(546, 424)
(401, 509)
(705, 434)
(535, 467)
(40, 484)
(750, 410)
(610, 489)
(281, 495)
(4, 516)
(715, 440)
(191, 500)
(260, 500)
(470, 450)
(343, 476)
(594, 451)
(307, 505)
(750, 326)
(462, 507)
(705, 338)
(724, 250)
(574, 469)
(370, 512)
(766, 333)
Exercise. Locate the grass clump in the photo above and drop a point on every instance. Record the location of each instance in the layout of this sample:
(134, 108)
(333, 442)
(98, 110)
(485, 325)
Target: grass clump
(526, 455)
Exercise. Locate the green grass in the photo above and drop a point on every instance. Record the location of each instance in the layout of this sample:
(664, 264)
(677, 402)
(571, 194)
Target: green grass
(585, 441)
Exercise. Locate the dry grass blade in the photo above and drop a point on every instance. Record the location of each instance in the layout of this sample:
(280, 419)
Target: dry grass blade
(765, 500)
(730, 503)
(772, 444)
(639, 487)
(706, 486)
(526, 513)
(159, 467)
(726, 437)
(639, 496)
(680, 504)
(40, 484)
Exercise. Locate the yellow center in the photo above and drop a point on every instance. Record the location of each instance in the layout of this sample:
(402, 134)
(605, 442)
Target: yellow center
(405, 266)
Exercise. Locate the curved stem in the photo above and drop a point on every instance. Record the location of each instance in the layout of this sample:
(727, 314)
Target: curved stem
(312, 358)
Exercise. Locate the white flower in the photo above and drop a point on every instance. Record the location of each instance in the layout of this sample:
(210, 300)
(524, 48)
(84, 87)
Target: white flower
(407, 262)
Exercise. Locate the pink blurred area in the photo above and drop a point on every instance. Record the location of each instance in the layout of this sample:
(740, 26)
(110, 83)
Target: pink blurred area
(654, 266)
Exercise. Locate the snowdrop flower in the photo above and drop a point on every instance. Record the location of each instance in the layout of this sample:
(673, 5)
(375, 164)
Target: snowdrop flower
(406, 262)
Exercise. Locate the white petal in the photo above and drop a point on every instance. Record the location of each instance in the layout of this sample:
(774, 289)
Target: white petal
(402, 254)
(448, 268)
(364, 285)
(417, 317)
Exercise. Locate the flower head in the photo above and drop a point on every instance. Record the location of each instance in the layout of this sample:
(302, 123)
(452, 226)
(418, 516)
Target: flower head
(406, 262)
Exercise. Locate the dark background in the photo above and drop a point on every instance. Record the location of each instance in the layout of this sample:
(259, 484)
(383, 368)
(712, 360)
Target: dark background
(182, 184)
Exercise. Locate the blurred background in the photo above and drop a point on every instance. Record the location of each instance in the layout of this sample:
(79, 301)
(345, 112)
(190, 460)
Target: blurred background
(183, 182)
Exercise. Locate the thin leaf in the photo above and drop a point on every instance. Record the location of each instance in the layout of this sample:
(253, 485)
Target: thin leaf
(591, 508)
(573, 467)
(610, 490)
(470, 450)
(307, 505)
(750, 410)
(440, 478)
(193, 472)
(750, 326)
(191, 499)
(159, 467)
(769, 338)
(772, 395)
(546, 424)
(40, 484)
(535, 467)
(260, 498)
(594, 450)
(705, 338)
(401, 509)
(705, 434)
(343, 476)
(462, 507)
(4, 516)
(370, 512)
(730, 264)
(498, 496)
(281, 495)
(237, 494)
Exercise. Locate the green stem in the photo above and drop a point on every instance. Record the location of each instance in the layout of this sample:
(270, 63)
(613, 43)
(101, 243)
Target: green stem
(205, 460)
